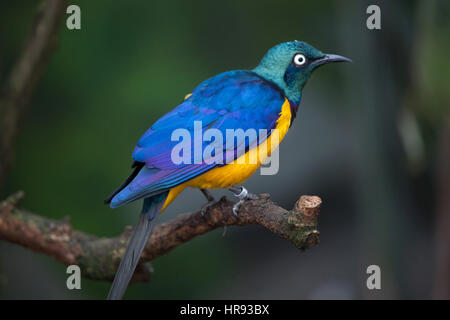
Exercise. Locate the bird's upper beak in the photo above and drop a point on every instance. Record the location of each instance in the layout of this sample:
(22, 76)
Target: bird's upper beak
(330, 58)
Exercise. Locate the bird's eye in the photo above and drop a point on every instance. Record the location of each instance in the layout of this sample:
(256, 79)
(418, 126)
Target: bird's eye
(299, 59)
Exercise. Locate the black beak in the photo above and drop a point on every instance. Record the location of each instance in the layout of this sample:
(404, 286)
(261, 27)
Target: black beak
(330, 58)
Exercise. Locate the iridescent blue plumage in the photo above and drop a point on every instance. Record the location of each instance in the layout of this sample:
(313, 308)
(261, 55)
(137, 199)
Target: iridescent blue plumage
(231, 100)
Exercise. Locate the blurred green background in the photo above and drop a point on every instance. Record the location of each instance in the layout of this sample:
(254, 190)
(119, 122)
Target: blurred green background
(368, 139)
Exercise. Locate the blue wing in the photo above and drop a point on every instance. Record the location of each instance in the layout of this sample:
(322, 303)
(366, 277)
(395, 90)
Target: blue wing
(231, 100)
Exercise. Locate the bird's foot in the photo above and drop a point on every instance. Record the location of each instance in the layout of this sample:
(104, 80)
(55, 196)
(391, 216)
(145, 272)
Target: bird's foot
(211, 201)
(204, 209)
(243, 195)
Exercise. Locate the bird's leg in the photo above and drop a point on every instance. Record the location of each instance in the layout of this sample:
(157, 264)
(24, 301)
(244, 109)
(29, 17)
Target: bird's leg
(209, 197)
(242, 194)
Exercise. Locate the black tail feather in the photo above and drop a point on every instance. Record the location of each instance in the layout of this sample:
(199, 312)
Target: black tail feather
(137, 167)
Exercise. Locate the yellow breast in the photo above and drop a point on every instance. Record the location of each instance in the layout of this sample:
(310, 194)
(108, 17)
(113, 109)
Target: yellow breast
(242, 168)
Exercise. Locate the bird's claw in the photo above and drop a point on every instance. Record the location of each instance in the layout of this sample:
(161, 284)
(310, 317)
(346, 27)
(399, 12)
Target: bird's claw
(236, 207)
(204, 209)
(243, 196)
(211, 201)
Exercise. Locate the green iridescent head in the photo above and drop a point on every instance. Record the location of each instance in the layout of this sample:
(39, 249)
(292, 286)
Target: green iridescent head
(290, 64)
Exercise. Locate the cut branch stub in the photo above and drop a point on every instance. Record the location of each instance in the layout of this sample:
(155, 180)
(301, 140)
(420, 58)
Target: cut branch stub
(303, 220)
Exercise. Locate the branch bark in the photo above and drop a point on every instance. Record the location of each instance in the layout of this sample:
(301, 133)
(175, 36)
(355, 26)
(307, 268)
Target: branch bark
(25, 74)
(99, 258)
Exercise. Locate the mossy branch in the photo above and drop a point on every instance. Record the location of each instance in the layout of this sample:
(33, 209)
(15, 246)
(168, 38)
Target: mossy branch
(99, 258)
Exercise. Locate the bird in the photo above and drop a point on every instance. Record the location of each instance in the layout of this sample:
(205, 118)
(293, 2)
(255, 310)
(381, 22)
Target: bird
(264, 98)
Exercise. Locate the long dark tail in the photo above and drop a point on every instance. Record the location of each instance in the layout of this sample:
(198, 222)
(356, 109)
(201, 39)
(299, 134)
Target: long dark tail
(137, 167)
(147, 219)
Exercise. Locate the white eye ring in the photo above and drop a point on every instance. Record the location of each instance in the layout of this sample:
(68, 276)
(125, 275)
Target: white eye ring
(299, 59)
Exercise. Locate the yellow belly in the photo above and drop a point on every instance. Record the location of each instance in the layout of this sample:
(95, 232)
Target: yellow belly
(242, 168)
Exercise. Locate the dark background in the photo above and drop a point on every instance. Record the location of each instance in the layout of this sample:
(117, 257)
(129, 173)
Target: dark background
(369, 139)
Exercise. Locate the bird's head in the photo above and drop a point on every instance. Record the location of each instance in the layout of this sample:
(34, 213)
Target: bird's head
(290, 64)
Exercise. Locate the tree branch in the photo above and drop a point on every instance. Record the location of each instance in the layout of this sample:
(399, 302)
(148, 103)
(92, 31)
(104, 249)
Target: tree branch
(99, 258)
(19, 87)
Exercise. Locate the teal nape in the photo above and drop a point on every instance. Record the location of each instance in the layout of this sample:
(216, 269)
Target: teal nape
(261, 99)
